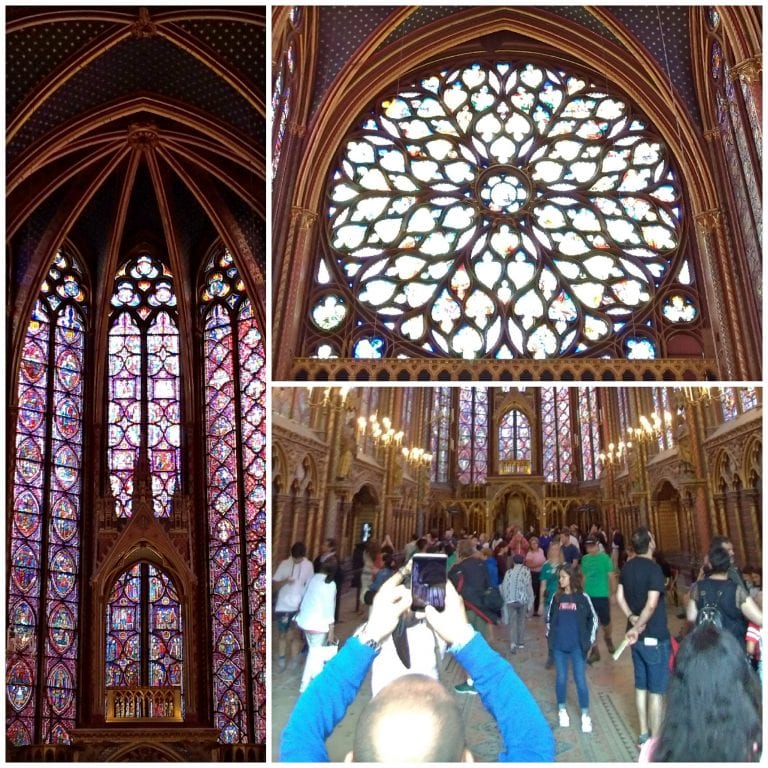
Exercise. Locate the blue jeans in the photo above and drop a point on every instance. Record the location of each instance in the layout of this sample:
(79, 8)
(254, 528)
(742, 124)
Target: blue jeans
(579, 676)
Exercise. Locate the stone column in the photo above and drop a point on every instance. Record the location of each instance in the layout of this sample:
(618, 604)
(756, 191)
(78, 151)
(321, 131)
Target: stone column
(292, 286)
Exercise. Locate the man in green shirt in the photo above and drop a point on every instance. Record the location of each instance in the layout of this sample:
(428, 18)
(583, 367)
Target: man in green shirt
(600, 585)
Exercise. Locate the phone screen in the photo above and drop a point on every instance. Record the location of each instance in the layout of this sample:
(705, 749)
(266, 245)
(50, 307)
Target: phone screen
(428, 575)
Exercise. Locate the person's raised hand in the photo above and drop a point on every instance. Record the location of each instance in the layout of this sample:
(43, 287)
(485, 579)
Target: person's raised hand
(450, 623)
(391, 601)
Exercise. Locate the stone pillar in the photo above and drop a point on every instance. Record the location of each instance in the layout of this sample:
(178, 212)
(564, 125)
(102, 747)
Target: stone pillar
(292, 285)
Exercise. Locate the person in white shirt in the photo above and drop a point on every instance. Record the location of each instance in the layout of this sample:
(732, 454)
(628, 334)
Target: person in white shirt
(290, 579)
(316, 619)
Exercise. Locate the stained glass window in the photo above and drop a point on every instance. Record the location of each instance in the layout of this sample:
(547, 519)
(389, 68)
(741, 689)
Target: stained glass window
(589, 427)
(514, 443)
(472, 448)
(439, 434)
(235, 424)
(283, 85)
(735, 401)
(145, 637)
(498, 210)
(556, 435)
(748, 398)
(729, 403)
(144, 385)
(44, 555)
(741, 136)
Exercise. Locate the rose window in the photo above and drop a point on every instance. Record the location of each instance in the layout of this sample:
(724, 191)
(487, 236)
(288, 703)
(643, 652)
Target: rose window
(506, 210)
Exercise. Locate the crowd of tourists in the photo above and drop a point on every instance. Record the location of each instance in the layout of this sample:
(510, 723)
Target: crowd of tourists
(495, 586)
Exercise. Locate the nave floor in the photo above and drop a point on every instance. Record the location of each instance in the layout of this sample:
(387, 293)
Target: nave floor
(612, 701)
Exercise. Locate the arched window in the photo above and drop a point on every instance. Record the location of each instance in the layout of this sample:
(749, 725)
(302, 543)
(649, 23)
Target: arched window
(439, 425)
(283, 86)
(589, 425)
(737, 400)
(472, 453)
(144, 386)
(738, 119)
(556, 435)
(44, 557)
(235, 429)
(501, 209)
(514, 443)
(145, 638)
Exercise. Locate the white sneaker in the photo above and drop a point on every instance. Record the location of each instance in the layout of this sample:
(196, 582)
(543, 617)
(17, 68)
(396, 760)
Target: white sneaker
(565, 721)
(586, 723)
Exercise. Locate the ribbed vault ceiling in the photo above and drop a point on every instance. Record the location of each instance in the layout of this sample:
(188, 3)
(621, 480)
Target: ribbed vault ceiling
(128, 125)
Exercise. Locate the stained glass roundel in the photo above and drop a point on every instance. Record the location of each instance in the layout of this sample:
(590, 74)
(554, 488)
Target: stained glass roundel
(506, 210)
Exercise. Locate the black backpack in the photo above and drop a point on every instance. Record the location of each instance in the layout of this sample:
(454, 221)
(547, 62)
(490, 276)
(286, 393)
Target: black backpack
(709, 612)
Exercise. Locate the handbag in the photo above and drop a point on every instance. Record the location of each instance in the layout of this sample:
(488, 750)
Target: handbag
(492, 600)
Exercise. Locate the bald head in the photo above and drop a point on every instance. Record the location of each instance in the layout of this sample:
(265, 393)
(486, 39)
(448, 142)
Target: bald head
(412, 720)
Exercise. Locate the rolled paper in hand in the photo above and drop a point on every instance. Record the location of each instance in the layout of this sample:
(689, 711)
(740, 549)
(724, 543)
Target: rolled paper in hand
(622, 645)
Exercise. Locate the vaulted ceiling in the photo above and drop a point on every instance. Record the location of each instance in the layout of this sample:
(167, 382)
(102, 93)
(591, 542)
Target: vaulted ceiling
(130, 126)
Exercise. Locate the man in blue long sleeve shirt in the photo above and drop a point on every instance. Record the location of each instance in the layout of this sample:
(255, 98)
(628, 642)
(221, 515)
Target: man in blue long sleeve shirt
(405, 706)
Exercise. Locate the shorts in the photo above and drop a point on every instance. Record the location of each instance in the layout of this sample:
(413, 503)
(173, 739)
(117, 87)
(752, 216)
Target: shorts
(284, 620)
(651, 663)
(602, 609)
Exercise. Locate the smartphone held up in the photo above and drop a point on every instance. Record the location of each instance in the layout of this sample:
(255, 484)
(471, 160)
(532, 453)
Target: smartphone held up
(428, 577)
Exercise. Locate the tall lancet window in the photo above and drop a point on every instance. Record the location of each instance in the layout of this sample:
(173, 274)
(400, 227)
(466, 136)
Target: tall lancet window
(44, 556)
(556, 434)
(144, 382)
(235, 429)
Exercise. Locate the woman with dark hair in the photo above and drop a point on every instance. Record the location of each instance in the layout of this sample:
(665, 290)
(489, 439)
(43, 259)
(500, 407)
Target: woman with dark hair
(713, 711)
(732, 601)
(571, 631)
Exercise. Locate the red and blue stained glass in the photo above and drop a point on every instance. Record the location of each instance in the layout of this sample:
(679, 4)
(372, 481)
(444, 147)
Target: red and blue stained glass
(144, 591)
(556, 435)
(473, 435)
(144, 384)
(590, 431)
(236, 450)
(44, 589)
(514, 437)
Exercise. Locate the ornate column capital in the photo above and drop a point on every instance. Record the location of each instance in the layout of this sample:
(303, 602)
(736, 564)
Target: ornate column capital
(297, 129)
(748, 71)
(709, 221)
(712, 134)
(303, 218)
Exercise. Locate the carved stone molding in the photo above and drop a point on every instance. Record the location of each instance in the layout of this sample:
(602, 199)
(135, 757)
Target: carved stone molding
(454, 369)
(709, 221)
(143, 135)
(143, 26)
(748, 71)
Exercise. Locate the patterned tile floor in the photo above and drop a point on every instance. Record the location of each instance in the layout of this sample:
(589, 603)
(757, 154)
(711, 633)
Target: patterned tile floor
(612, 702)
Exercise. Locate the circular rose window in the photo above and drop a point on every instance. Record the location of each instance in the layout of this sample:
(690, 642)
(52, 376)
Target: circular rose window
(505, 210)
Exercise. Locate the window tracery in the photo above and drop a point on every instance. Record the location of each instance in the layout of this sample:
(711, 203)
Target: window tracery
(44, 587)
(472, 449)
(556, 435)
(145, 639)
(514, 439)
(440, 424)
(235, 426)
(144, 382)
(501, 210)
(589, 423)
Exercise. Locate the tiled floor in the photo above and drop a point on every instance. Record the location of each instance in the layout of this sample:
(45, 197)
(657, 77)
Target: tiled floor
(612, 703)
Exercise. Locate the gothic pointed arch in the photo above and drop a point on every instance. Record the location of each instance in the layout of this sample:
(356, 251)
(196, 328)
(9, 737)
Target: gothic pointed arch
(369, 291)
